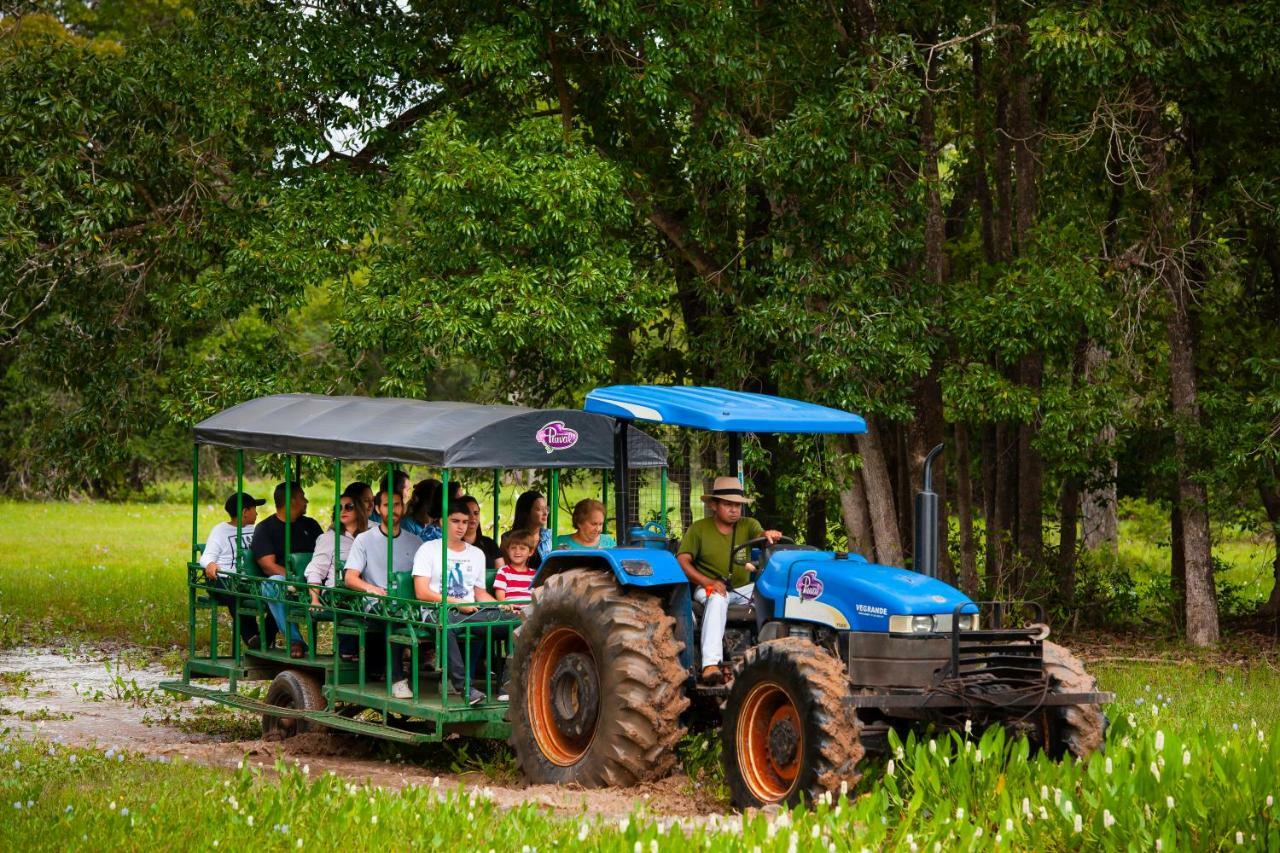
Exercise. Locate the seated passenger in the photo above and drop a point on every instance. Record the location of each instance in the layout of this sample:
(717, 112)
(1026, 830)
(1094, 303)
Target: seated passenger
(475, 536)
(363, 493)
(402, 488)
(422, 517)
(531, 514)
(222, 555)
(704, 554)
(588, 522)
(323, 568)
(367, 571)
(462, 581)
(515, 579)
(268, 552)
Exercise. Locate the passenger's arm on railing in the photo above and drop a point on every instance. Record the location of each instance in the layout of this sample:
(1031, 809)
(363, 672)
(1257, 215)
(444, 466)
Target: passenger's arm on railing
(354, 581)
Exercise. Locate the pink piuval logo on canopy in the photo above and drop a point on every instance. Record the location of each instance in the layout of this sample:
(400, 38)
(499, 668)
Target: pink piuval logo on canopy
(556, 436)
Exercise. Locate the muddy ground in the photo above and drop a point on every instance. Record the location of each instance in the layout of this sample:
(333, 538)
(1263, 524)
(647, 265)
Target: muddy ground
(95, 699)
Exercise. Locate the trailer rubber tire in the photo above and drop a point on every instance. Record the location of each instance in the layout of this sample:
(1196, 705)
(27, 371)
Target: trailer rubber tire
(1076, 730)
(596, 684)
(789, 731)
(292, 688)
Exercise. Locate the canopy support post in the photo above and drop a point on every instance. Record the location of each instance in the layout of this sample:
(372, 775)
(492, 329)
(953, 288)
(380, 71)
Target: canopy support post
(288, 518)
(604, 498)
(497, 489)
(620, 465)
(735, 456)
(337, 515)
(555, 505)
(195, 501)
(662, 501)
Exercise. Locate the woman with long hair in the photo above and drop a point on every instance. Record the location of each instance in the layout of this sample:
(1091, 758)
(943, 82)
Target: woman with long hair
(531, 515)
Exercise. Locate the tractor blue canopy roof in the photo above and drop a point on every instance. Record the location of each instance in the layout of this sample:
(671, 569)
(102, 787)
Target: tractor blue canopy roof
(719, 410)
(417, 432)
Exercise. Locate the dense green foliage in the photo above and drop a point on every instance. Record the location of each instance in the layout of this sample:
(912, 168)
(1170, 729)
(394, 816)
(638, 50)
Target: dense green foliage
(1046, 235)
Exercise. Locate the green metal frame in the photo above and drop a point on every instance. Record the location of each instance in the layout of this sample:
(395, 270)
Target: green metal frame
(404, 621)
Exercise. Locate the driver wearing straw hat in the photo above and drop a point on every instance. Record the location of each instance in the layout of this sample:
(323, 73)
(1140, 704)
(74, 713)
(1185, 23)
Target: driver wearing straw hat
(707, 556)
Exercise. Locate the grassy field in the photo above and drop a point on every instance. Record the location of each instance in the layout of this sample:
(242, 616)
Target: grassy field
(1192, 761)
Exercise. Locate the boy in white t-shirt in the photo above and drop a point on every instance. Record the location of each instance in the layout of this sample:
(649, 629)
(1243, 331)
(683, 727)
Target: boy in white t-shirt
(462, 580)
(221, 556)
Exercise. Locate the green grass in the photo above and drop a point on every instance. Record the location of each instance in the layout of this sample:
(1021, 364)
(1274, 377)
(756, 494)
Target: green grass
(1161, 781)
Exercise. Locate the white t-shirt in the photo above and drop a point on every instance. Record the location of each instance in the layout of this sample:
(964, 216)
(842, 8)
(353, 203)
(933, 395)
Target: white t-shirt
(368, 555)
(220, 547)
(466, 570)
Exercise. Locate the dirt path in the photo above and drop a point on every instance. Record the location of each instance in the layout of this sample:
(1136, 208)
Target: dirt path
(78, 701)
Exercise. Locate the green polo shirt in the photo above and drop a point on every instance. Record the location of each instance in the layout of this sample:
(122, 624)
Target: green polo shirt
(710, 548)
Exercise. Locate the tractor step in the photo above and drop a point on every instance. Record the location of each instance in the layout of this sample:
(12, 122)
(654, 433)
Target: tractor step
(235, 700)
(365, 727)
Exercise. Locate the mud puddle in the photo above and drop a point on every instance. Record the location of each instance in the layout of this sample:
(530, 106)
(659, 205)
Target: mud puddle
(101, 701)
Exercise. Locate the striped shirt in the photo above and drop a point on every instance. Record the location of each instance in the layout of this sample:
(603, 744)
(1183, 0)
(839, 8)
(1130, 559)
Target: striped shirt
(515, 583)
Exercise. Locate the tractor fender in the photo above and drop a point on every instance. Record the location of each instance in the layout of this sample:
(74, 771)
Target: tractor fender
(635, 567)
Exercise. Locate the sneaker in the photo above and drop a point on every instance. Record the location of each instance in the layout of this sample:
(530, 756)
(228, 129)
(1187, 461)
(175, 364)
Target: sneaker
(475, 697)
(502, 697)
(401, 689)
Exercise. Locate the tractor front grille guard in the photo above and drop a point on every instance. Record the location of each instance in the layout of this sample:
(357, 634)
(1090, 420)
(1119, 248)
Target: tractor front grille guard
(996, 659)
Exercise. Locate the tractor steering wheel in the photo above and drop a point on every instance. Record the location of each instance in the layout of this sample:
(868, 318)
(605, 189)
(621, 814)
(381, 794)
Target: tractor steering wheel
(758, 541)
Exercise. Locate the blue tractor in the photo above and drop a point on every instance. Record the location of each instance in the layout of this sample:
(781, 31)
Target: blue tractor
(832, 652)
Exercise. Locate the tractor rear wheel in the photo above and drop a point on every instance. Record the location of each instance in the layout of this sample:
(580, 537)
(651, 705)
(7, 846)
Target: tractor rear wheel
(595, 684)
(297, 690)
(789, 732)
(1076, 730)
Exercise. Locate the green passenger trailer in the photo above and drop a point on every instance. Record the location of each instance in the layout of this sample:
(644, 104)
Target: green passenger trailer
(322, 689)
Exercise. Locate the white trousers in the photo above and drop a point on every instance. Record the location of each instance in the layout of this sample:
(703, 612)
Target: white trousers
(714, 614)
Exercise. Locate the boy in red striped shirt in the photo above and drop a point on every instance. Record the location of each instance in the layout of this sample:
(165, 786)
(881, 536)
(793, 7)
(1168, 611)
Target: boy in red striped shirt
(515, 579)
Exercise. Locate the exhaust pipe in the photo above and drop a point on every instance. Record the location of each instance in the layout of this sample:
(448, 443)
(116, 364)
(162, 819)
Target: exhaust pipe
(926, 551)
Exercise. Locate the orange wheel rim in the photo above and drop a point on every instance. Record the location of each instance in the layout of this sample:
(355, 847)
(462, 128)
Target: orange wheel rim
(563, 696)
(770, 742)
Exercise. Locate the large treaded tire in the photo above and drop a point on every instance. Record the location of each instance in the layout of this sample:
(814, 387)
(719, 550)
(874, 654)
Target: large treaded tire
(583, 621)
(1076, 730)
(292, 689)
(789, 679)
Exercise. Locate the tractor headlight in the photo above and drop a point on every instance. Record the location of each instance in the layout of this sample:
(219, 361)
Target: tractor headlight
(923, 624)
(968, 622)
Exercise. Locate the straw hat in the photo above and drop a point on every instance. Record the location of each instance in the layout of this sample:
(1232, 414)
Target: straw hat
(727, 489)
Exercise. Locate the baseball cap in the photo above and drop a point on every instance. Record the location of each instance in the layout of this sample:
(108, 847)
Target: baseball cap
(248, 500)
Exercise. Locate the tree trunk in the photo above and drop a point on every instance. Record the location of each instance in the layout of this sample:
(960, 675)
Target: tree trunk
(927, 432)
(857, 517)
(1006, 501)
(1099, 525)
(815, 528)
(1177, 567)
(1068, 516)
(990, 455)
(1271, 502)
(1030, 479)
(964, 509)
(880, 502)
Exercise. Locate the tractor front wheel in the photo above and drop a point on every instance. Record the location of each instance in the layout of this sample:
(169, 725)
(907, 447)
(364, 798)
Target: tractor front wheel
(596, 684)
(789, 732)
(1076, 730)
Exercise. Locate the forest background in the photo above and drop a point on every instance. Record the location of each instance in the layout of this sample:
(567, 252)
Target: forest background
(1046, 235)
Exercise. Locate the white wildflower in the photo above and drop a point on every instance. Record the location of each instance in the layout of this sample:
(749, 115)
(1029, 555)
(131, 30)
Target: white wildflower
(960, 813)
(250, 820)
(623, 824)
(112, 805)
(1239, 838)
(1044, 813)
(1186, 758)
(1270, 801)
(1159, 740)
(1078, 826)
(933, 747)
(374, 819)
(1168, 801)
(582, 832)
(1044, 792)
(1026, 806)
(977, 757)
(1108, 766)
(888, 771)
(1155, 771)
(1107, 819)
(968, 727)
(637, 847)
(1008, 822)
(298, 844)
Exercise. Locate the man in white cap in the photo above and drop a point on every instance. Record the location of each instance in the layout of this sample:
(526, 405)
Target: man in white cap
(717, 574)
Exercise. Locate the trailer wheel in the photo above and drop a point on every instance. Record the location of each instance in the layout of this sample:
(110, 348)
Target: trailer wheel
(789, 732)
(1076, 730)
(297, 690)
(595, 684)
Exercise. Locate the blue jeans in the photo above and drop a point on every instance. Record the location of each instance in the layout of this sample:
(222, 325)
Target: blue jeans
(274, 592)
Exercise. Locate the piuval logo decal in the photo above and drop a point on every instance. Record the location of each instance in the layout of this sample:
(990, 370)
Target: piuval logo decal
(556, 436)
(808, 586)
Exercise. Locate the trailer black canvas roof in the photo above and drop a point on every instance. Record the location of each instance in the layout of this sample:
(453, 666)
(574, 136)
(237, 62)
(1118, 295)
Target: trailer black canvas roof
(434, 433)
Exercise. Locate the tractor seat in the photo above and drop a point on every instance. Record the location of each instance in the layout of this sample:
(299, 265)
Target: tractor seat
(737, 612)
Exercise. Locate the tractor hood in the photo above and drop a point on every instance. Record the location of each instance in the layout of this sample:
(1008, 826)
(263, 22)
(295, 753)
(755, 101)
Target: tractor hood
(850, 593)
